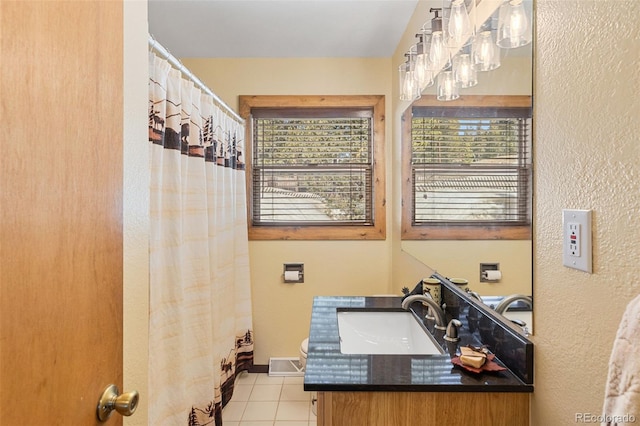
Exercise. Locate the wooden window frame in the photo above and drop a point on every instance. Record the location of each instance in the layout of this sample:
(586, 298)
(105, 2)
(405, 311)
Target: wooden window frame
(410, 231)
(375, 231)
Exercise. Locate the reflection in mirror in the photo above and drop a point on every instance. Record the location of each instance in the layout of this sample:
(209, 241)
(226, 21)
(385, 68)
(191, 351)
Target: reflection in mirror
(436, 237)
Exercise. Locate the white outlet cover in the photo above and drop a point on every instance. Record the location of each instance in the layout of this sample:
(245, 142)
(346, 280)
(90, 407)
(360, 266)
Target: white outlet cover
(576, 239)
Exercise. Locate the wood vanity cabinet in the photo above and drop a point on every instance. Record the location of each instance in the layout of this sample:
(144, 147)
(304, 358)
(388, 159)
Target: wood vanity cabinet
(423, 408)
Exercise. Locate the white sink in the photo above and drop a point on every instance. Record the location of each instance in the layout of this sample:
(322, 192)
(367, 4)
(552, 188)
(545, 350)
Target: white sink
(383, 332)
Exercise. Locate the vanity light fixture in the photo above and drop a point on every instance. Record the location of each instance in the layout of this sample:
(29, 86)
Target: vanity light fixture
(459, 30)
(404, 77)
(409, 88)
(461, 42)
(439, 54)
(485, 52)
(448, 88)
(423, 69)
(514, 26)
(464, 72)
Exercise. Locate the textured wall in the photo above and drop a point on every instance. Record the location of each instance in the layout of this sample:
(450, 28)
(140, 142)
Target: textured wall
(587, 156)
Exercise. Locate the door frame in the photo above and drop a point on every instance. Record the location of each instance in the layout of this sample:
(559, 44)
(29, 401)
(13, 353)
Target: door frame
(136, 207)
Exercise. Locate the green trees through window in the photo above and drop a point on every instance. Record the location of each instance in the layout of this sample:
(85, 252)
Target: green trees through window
(326, 161)
(316, 168)
(469, 167)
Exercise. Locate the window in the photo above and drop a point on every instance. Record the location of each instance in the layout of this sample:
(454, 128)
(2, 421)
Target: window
(315, 167)
(469, 165)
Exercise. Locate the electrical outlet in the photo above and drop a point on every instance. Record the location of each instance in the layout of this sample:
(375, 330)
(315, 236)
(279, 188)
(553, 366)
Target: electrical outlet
(574, 239)
(576, 245)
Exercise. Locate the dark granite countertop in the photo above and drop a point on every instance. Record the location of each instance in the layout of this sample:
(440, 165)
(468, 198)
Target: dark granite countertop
(328, 369)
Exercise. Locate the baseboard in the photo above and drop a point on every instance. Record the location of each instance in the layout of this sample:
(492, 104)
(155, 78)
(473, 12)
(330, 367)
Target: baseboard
(259, 368)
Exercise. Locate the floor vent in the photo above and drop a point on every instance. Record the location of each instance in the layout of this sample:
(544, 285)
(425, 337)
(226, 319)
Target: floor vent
(285, 367)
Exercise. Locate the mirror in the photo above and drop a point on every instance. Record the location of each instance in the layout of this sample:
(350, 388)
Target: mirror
(455, 258)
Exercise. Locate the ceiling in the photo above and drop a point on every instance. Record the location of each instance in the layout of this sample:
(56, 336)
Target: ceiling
(279, 28)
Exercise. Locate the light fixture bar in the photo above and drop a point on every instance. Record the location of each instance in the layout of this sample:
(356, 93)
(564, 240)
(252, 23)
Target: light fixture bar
(431, 56)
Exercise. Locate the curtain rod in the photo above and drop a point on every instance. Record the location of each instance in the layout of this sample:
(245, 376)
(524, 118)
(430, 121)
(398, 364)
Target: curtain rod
(155, 45)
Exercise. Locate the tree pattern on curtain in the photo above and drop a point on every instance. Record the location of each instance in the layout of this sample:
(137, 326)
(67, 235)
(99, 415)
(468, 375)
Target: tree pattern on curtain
(200, 325)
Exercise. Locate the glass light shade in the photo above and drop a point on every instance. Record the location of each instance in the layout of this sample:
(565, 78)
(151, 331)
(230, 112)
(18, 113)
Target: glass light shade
(447, 88)
(439, 57)
(409, 89)
(485, 53)
(423, 72)
(463, 71)
(514, 25)
(457, 25)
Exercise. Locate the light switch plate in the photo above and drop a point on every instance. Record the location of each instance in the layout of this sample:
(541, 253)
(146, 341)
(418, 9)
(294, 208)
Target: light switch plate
(576, 239)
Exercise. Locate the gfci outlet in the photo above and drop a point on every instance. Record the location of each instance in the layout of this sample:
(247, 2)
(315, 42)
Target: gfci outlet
(576, 234)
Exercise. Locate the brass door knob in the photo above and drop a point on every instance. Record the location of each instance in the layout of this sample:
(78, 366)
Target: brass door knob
(125, 404)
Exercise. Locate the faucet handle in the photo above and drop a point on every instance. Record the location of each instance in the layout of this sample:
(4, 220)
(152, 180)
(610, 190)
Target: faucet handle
(452, 330)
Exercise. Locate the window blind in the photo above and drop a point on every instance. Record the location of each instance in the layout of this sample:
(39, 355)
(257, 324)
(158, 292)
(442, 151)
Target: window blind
(471, 166)
(312, 167)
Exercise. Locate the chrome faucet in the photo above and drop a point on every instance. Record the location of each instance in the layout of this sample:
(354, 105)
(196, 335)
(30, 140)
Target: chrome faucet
(433, 308)
(501, 308)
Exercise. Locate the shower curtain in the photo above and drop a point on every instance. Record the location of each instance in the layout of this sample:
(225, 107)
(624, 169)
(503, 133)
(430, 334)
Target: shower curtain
(200, 326)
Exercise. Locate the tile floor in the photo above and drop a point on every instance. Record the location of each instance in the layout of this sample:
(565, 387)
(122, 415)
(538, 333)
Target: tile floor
(263, 400)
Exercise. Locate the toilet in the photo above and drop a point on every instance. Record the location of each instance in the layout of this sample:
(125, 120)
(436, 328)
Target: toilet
(304, 348)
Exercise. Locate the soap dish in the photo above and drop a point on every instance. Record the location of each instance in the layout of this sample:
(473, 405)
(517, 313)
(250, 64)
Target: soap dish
(489, 365)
